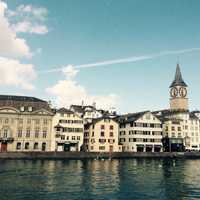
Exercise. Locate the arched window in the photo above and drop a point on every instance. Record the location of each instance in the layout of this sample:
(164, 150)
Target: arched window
(43, 146)
(35, 145)
(18, 147)
(27, 145)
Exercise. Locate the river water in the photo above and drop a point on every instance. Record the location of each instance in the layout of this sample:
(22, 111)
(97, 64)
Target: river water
(137, 179)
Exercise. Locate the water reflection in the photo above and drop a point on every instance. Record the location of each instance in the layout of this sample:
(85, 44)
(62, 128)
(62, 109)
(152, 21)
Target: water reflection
(96, 179)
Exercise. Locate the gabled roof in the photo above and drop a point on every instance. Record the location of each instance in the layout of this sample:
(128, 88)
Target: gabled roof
(193, 116)
(131, 117)
(19, 98)
(64, 111)
(23, 101)
(94, 121)
(168, 112)
(178, 80)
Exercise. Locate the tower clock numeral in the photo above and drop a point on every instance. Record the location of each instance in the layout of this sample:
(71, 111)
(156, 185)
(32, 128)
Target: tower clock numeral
(174, 92)
(183, 92)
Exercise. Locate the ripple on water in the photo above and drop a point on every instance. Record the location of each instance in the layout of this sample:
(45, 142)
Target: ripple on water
(113, 180)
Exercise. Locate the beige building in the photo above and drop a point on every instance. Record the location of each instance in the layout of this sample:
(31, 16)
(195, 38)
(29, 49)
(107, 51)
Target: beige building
(67, 131)
(25, 124)
(101, 135)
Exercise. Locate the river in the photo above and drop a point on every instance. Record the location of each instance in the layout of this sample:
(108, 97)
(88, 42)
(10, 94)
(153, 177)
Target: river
(134, 179)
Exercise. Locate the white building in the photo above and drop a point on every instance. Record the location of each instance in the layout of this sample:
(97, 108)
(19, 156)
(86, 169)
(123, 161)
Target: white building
(140, 132)
(189, 132)
(90, 112)
(67, 131)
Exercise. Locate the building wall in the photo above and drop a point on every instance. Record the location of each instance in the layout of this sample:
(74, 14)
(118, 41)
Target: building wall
(102, 136)
(179, 103)
(75, 135)
(24, 128)
(134, 134)
(191, 130)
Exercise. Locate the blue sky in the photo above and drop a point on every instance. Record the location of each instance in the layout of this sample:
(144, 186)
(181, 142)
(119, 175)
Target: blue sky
(91, 31)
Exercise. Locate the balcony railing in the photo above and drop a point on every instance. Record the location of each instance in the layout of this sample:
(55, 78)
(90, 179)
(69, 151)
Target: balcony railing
(7, 139)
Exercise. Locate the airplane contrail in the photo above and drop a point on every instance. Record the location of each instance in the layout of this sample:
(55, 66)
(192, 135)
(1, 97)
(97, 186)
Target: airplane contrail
(126, 60)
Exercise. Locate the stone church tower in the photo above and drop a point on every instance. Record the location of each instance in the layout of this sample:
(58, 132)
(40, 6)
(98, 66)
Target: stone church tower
(178, 92)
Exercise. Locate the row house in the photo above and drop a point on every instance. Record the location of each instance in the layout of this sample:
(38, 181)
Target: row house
(67, 131)
(101, 135)
(140, 132)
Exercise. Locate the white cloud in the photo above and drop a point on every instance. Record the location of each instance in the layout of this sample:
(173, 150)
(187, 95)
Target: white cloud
(14, 73)
(11, 45)
(28, 19)
(39, 13)
(70, 71)
(28, 27)
(69, 92)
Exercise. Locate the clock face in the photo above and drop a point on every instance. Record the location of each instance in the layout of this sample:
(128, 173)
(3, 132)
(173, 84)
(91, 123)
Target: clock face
(174, 92)
(183, 92)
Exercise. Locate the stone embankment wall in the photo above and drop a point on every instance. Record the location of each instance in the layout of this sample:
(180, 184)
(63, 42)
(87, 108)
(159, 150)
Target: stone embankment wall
(93, 155)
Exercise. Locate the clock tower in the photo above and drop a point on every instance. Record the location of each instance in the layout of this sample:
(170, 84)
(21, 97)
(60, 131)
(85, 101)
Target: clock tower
(178, 92)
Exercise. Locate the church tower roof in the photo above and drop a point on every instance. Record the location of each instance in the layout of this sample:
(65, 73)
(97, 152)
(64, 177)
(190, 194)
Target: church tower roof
(178, 80)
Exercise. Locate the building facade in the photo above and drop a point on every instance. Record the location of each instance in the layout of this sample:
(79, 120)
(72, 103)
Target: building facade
(67, 131)
(25, 124)
(186, 134)
(101, 135)
(140, 132)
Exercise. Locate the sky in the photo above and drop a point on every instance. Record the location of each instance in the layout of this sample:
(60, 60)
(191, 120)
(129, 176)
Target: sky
(120, 54)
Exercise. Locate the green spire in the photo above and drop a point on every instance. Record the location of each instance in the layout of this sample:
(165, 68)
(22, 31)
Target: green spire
(178, 80)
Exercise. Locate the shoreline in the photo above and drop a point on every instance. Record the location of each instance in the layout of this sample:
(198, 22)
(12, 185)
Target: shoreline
(94, 155)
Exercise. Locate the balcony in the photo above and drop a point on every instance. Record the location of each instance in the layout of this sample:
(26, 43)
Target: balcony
(7, 139)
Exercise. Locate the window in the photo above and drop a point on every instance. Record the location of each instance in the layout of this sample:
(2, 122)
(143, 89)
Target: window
(35, 145)
(78, 137)
(37, 133)
(28, 131)
(37, 121)
(5, 133)
(173, 128)
(67, 138)
(27, 145)
(102, 134)
(30, 109)
(45, 121)
(93, 134)
(111, 127)
(62, 137)
(18, 146)
(44, 134)
(6, 121)
(102, 140)
(73, 138)
(101, 147)
(22, 108)
(43, 146)
(111, 134)
(19, 133)
(102, 127)
(91, 147)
